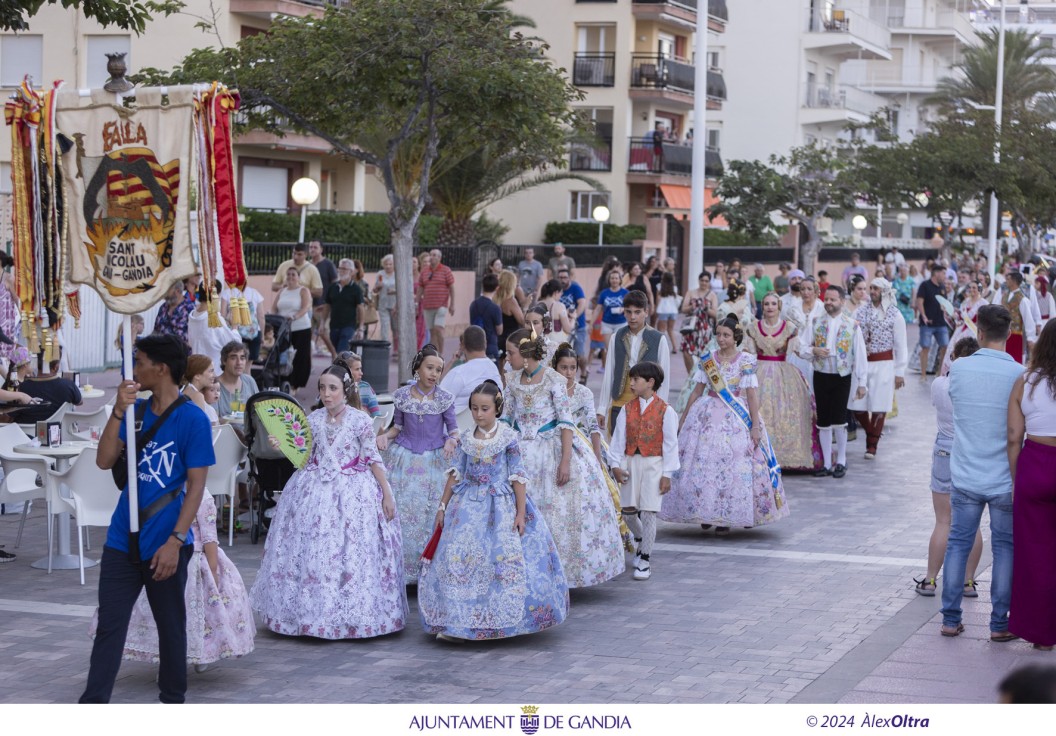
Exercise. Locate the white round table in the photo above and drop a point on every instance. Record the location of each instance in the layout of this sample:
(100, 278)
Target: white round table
(63, 455)
(92, 393)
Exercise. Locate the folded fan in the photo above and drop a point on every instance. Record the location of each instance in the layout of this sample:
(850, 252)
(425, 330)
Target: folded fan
(285, 420)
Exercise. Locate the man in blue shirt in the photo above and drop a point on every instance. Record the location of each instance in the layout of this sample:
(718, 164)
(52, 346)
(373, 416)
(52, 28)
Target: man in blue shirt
(575, 302)
(486, 314)
(171, 472)
(979, 389)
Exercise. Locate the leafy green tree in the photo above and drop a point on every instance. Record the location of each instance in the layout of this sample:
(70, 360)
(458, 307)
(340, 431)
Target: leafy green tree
(132, 15)
(807, 185)
(386, 82)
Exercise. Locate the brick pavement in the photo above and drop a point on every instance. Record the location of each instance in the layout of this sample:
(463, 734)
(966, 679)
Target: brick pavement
(817, 608)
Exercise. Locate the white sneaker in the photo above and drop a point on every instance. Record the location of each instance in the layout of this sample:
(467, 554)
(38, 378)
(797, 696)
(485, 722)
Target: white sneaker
(642, 572)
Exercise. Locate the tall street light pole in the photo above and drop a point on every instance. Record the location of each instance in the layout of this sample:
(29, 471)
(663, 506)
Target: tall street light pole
(998, 103)
(304, 192)
(700, 142)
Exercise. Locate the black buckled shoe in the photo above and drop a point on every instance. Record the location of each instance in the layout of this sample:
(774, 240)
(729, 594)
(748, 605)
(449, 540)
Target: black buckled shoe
(839, 471)
(822, 472)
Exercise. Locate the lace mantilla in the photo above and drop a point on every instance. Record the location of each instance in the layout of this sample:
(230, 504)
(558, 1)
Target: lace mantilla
(438, 403)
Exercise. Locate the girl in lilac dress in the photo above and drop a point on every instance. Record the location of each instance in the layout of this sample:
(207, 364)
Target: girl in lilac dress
(219, 619)
(423, 441)
(496, 572)
(331, 566)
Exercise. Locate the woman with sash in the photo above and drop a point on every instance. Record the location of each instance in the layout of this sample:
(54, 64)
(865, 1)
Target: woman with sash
(965, 318)
(785, 402)
(729, 475)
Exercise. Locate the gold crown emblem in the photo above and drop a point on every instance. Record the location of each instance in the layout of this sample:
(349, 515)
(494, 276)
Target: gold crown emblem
(529, 710)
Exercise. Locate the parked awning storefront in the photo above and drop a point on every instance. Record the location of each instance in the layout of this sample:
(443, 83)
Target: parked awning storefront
(678, 197)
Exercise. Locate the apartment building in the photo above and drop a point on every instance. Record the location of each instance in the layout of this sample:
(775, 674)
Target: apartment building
(634, 62)
(62, 44)
(800, 70)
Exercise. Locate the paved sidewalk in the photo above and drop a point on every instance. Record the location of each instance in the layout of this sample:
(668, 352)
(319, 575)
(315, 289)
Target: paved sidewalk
(817, 608)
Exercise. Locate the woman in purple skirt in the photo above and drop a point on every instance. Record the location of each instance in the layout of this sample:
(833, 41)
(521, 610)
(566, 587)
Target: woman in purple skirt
(1032, 414)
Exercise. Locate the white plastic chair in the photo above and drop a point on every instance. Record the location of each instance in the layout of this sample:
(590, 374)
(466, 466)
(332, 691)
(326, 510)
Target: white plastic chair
(22, 471)
(80, 421)
(464, 419)
(31, 429)
(94, 496)
(19, 485)
(222, 478)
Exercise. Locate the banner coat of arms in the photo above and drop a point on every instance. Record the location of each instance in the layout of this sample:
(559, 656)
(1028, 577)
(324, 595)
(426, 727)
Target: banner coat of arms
(126, 173)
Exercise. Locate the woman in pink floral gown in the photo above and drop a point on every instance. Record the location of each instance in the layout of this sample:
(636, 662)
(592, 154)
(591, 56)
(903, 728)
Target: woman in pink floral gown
(219, 620)
(724, 481)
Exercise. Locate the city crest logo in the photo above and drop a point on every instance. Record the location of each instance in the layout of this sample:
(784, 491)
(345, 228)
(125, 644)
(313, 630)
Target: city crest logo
(529, 719)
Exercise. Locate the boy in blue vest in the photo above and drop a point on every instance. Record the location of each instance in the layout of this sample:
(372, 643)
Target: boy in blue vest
(631, 344)
(643, 456)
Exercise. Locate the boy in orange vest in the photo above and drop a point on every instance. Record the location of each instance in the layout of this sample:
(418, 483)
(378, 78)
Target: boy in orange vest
(643, 455)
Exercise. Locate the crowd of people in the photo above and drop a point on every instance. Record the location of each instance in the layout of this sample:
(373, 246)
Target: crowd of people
(552, 485)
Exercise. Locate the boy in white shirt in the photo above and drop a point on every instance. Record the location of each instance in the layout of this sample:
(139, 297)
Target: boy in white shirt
(643, 455)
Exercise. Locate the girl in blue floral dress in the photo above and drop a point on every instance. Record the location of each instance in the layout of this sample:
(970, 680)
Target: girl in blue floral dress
(496, 572)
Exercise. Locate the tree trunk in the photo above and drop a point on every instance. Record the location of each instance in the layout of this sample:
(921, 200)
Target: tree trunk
(402, 253)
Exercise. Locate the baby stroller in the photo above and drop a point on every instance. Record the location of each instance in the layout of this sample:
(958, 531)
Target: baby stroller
(278, 364)
(269, 469)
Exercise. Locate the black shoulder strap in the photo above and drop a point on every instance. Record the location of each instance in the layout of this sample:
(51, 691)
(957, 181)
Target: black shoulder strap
(141, 442)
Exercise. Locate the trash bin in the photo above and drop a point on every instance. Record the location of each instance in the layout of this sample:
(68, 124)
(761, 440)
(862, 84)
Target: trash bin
(375, 354)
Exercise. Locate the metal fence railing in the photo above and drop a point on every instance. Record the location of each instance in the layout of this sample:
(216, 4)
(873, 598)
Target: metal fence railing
(265, 258)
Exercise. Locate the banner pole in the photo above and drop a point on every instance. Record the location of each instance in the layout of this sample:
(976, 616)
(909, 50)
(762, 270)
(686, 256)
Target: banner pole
(130, 436)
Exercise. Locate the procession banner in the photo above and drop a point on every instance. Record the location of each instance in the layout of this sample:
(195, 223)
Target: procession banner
(126, 171)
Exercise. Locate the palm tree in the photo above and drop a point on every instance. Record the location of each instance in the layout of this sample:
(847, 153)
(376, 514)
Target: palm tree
(1030, 84)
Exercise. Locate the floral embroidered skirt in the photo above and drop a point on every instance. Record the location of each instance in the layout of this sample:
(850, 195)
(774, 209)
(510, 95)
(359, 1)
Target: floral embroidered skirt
(486, 581)
(723, 479)
(580, 514)
(332, 564)
(789, 415)
(417, 482)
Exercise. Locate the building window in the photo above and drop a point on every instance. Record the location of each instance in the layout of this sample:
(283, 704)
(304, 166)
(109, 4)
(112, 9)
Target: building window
(5, 178)
(583, 204)
(21, 55)
(97, 47)
(714, 135)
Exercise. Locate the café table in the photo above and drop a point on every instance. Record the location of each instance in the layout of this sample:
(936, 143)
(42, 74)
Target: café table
(63, 455)
(92, 393)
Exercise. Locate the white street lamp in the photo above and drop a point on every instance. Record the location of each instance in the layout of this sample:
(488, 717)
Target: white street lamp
(858, 222)
(304, 192)
(601, 216)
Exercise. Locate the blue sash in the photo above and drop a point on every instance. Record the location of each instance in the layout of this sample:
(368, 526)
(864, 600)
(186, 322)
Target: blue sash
(718, 386)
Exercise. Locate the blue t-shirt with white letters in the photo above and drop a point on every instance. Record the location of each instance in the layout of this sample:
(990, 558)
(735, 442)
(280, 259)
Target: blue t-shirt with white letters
(184, 441)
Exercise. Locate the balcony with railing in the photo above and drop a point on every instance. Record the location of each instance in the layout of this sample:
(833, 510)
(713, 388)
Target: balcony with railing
(596, 156)
(924, 20)
(661, 75)
(833, 104)
(594, 70)
(269, 9)
(846, 33)
(648, 158)
(890, 77)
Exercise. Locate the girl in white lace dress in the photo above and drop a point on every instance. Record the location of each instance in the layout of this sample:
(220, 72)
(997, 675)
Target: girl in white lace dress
(332, 564)
(567, 482)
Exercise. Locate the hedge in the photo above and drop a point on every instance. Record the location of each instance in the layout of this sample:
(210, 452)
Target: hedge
(729, 239)
(587, 232)
(330, 227)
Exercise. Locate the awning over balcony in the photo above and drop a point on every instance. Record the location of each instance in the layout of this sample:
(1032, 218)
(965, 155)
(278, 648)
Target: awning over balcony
(678, 198)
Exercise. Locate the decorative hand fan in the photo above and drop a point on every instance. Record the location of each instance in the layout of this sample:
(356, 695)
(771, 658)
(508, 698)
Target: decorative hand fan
(430, 547)
(286, 420)
(947, 306)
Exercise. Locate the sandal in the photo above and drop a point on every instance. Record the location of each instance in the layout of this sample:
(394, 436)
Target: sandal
(952, 630)
(969, 590)
(922, 588)
(1002, 636)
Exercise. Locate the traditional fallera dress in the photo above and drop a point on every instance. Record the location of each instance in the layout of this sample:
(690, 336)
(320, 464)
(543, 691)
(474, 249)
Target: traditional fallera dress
(485, 580)
(724, 478)
(580, 514)
(585, 415)
(803, 321)
(968, 313)
(332, 564)
(696, 342)
(785, 402)
(219, 619)
(417, 467)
